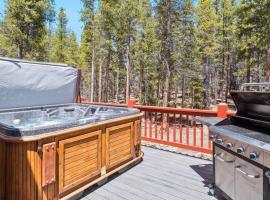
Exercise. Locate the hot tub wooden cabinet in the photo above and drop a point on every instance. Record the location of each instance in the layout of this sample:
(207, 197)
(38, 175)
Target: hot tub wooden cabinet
(61, 164)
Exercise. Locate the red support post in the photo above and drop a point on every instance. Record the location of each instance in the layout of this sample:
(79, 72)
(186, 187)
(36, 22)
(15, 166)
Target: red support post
(222, 110)
(131, 103)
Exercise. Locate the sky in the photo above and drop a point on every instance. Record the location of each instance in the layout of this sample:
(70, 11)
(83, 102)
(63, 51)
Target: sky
(72, 8)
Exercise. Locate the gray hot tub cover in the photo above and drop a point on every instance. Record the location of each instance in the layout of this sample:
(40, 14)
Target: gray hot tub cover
(27, 84)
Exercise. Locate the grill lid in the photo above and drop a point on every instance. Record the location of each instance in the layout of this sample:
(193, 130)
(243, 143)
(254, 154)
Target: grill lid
(26, 83)
(253, 104)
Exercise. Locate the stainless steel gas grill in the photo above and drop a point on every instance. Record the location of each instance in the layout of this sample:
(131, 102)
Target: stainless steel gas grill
(241, 147)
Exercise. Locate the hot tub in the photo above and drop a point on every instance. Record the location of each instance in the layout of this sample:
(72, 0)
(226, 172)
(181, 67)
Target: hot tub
(52, 147)
(55, 152)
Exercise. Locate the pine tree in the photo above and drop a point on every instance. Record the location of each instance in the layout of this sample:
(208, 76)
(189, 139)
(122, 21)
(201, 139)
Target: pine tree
(24, 26)
(146, 55)
(60, 40)
(72, 54)
(254, 35)
(208, 43)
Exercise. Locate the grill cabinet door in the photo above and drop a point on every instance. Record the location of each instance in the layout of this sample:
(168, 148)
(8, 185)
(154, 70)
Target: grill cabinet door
(79, 159)
(120, 144)
(248, 180)
(224, 171)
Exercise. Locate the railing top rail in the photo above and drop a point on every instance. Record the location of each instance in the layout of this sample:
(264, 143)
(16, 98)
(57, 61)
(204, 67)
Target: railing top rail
(177, 110)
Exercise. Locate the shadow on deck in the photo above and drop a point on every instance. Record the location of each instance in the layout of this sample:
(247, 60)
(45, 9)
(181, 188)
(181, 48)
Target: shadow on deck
(160, 176)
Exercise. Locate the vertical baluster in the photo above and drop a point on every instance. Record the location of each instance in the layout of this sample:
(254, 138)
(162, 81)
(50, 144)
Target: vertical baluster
(194, 132)
(168, 126)
(180, 129)
(145, 124)
(150, 124)
(187, 129)
(156, 125)
(174, 127)
(161, 126)
(202, 135)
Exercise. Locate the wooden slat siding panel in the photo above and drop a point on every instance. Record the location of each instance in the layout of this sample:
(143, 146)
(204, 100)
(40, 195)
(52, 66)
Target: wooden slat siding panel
(120, 132)
(194, 131)
(145, 124)
(187, 129)
(150, 131)
(32, 163)
(156, 131)
(201, 128)
(2, 168)
(77, 156)
(168, 126)
(21, 177)
(20, 169)
(28, 182)
(116, 156)
(116, 141)
(74, 150)
(39, 174)
(161, 127)
(121, 148)
(80, 162)
(120, 145)
(119, 154)
(8, 170)
(25, 163)
(180, 129)
(73, 173)
(16, 166)
(174, 127)
(84, 170)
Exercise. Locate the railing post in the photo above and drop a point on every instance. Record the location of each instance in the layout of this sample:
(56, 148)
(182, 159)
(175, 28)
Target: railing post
(222, 110)
(131, 103)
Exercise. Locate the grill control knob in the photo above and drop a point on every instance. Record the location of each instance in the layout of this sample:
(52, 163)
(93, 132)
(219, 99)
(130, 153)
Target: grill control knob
(219, 141)
(240, 150)
(212, 137)
(253, 155)
(229, 145)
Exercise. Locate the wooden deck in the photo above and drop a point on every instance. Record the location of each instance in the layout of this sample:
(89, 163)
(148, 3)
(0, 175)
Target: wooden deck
(160, 176)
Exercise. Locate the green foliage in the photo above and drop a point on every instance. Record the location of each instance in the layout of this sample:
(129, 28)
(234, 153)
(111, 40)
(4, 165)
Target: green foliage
(24, 26)
(169, 52)
(60, 40)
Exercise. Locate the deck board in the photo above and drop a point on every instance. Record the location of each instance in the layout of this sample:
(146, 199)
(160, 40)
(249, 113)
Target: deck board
(160, 176)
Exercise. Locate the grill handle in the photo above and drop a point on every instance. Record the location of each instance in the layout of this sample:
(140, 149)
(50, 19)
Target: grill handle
(238, 168)
(217, 156)
(261, 86)
(267, 174)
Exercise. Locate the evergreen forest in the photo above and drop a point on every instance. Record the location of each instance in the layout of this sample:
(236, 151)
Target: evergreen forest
(177, 53)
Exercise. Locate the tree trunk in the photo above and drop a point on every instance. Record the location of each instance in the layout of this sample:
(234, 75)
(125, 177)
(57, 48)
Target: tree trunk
(128, 68)
(248, 72)
(206, 85)
(166, 85)
(20, 51)
(268, 60)
(117, 86)
(100, 81)
(183, 91)
(142, 85)
(92, 74)
(105, 88)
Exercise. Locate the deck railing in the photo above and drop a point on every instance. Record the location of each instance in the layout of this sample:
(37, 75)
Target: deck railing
(175, 127)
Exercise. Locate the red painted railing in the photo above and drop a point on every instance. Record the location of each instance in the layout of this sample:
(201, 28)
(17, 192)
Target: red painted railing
(175, 127)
